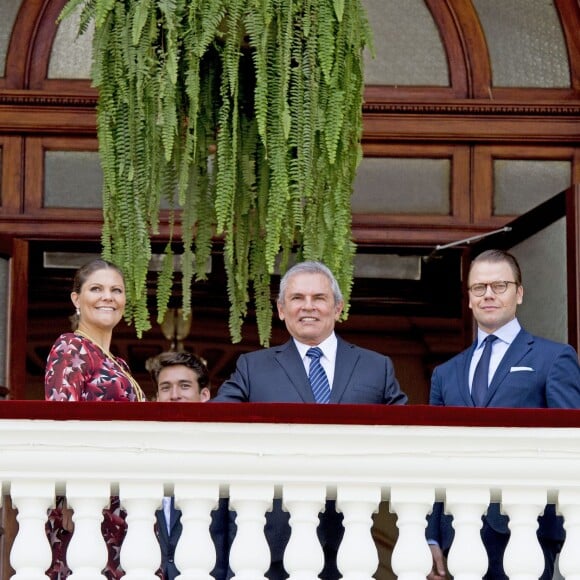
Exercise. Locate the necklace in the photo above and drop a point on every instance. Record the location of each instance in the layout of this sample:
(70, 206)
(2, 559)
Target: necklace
(138, 390)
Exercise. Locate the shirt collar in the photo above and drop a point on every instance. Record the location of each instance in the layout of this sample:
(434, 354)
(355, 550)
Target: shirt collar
(506, 333)
(327, 346)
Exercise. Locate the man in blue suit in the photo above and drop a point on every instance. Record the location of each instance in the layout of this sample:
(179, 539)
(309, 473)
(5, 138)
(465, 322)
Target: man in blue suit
(310, 303)
(521, 370)
(182, 377)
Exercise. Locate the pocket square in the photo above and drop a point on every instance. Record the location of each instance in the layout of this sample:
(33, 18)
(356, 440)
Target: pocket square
(516, 369)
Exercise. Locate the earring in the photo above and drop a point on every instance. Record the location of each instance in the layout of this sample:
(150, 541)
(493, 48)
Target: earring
(78, 311)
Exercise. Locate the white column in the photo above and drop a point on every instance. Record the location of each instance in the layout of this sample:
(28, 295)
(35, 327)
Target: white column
(303, 557)
(87, 552)
(411, 559)
(569, 507)
(31, 554)
(250, 553)
(195, 554)
(523, 559)
(357, 555)
(467, 558)
(140, 552)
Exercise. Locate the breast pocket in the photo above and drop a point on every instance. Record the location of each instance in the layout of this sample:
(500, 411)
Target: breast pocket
(521, 389)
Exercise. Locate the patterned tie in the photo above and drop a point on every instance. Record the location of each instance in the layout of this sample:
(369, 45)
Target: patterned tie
(317, 376)
(481, 376)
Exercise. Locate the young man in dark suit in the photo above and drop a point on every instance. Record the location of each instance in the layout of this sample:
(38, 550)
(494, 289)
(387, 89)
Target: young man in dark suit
(314, 366)
(516, 369)
(182, 377)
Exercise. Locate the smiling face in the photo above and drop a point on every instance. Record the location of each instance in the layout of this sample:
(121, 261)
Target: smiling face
(308, 307)
(179, 384)
(491, 311)
(101, 299)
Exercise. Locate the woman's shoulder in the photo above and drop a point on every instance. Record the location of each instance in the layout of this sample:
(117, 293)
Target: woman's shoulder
(68, 339)
(69, 343)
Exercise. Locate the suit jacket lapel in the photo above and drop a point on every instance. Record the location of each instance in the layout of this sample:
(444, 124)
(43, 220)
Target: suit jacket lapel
(175, 516)
(289, 359)
(345, 362)
(162, 527)
(517, 349)
(463, 365)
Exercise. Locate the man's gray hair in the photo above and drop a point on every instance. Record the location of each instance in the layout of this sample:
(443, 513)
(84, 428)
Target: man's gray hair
(310, 267)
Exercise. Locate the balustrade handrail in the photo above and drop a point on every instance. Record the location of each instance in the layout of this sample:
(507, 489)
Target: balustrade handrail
(293, 413)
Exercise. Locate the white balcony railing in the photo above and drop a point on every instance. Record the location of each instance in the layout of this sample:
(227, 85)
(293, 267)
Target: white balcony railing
(360, 455)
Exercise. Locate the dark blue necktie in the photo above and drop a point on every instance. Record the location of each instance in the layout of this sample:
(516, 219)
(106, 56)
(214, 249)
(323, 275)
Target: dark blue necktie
(481, 376)
(317, 376)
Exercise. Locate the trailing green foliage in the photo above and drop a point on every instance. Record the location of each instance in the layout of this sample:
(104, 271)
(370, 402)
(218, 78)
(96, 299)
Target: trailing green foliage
(243, 117)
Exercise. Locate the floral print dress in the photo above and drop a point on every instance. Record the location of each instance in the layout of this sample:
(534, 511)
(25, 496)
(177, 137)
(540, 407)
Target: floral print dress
(77, 369)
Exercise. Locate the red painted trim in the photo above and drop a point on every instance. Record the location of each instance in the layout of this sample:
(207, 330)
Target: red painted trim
(295, 413)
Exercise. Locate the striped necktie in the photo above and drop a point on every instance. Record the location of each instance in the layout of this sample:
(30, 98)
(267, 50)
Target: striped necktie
(317, 376)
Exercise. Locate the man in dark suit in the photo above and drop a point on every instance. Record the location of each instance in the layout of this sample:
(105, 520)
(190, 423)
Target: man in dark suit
(521, 370)
(220, 529)
(183, 377)
(310, 302)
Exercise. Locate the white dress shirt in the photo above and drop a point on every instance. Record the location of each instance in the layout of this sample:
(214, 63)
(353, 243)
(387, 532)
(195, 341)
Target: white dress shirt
(328, 358)
(167, 513)
(505, 336)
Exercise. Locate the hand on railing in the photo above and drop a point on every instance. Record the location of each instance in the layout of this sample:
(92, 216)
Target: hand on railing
(438, 571)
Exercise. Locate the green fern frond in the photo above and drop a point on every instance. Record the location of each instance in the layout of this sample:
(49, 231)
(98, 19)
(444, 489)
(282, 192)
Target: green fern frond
(261, 285)
(165, 283)
(72, 5)
(276, 87)
(141, 14)
(208, 18)
(326, 33)
(102, 9)
(258, 32)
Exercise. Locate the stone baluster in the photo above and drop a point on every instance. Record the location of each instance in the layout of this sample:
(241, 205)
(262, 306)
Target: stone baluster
(250, 554)
(467, 558)
(31, 554)
(569, 507)
(523, 558)
(195, 555)
(140, 552)
(357, 555)
(411, 559)
(303, 557)
(87, 552)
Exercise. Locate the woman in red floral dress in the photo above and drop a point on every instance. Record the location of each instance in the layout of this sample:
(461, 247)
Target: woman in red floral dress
(80, 367)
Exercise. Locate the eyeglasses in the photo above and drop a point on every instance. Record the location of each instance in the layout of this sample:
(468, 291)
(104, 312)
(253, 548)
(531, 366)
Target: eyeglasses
(498, 287)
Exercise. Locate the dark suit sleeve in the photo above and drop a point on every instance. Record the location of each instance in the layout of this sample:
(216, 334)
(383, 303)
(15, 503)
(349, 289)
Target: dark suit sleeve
(435, 394)
(393, 393)
(439, 527)
(563, 380)
(222, 530)
(236, 389)
(432, 531)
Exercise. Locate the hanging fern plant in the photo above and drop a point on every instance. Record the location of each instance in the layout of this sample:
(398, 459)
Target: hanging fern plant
(245, 115)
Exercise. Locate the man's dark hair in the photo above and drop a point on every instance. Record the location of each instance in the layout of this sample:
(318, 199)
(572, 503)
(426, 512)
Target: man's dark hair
(183, 358)
(500, 256)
